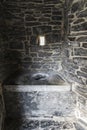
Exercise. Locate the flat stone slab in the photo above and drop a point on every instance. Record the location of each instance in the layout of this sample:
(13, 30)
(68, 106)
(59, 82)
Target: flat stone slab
(29, 88)
(38, 101)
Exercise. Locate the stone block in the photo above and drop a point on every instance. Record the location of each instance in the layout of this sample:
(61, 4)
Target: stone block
(33, 40)
(26, 65)
(82, 74)
(57, 31)
(27, 59)
(80, 61)
(52, 38)
(71, 38)
(56, 12)
(77, 6)
(47, 15)
(65, 53)
(56, 59)
(44, 54)
(32, 24)
(79, 20)
(79, 33)
(75, 44)
(28, 11)
(16, 45)
(84, 70)
(81, 38)
(71, 16)
(37, 59)
(72, 77)
(80, 27)
(44, 19)
(30, 18)
(46, 10)
(35, 65)
(37, 1)
(28, 31)
(56, 17)
(34, 1)
(34, 49)
(55, 23)
(42, 30)
(57, 28)
(69, 66)
(81, 100)
(45, 124)
(82, 13)
(80, 52)
(52, 2)
(84, 45)
(34, 54)
(30, 124)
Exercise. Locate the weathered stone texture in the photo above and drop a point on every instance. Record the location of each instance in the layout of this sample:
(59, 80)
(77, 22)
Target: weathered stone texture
(80, 27)
(78, 33)
(84, 45)
(44, 124)
(23, 22)
(37, 104)
(80, 52)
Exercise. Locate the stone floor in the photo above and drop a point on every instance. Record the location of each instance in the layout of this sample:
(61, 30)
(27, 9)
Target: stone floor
(27, 124)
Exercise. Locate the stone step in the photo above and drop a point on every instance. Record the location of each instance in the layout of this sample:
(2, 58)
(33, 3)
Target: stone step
(35, 124)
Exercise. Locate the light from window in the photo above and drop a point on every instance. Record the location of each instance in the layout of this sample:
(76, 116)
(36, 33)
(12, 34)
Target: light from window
(41, 40)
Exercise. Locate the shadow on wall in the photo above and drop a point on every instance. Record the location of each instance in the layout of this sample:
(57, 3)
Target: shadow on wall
(9, 60)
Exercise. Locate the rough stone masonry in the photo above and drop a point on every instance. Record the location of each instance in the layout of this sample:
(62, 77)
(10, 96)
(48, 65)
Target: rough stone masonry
(23, 21)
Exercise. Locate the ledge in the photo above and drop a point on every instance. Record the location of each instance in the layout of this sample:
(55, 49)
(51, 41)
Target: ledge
(29, 88)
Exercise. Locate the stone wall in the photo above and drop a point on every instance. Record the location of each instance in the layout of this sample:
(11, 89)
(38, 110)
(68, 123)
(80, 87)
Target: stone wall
(7, 59)
(78, 40)
(74, 65)
(21, 24)
(78, 34)
(24, 21)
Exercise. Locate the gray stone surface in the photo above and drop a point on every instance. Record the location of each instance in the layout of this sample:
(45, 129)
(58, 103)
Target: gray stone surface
(78, 33)
(26, 124)
(20, 31)
(20, 24)
(26, 20)
(39, 103)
